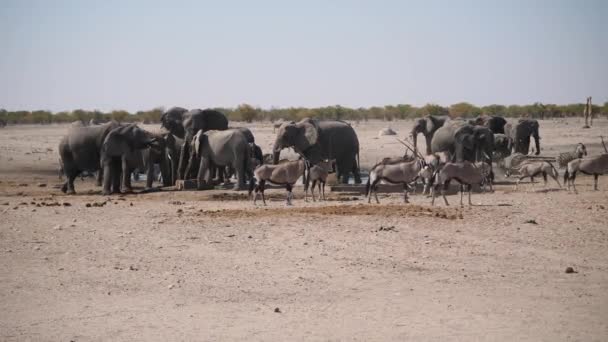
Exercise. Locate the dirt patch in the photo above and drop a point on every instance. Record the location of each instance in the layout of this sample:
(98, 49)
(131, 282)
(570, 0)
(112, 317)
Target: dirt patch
(340, 210)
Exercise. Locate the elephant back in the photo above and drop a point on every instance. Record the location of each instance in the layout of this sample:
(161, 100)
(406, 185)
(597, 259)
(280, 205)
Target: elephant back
(205, 120)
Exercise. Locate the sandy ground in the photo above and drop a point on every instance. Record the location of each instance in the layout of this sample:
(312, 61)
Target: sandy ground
(170, 266)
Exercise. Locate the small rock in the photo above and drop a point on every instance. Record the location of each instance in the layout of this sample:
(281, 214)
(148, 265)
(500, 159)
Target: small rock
(57, 227)
(133, 268)
(250, 237)
(570, 270)
(179, 211)
(531, 221)
(74, 220)
(171, 286)
(37, 248)
(41, 185)
(22, 184)
(88, 205)
(277, 310)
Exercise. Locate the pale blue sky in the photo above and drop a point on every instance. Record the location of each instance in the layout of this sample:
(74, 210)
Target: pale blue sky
(63, 55)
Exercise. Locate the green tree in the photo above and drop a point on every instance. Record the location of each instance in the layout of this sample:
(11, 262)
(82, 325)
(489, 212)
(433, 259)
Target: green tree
(464, 110)
(432, 109)
(494, 110)
(247, 112)
(119, 115)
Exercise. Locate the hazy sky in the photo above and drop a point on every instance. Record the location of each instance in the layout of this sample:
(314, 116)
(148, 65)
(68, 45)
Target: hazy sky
(63, 55)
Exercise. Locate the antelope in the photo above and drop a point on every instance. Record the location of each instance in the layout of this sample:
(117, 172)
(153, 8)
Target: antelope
(596, 165)
(466, 173)
(398, 173)
(286, 174)
(317, 173)
(534, 168)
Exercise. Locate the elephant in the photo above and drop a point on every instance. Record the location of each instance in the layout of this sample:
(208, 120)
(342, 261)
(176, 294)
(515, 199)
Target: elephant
(464, 141)
(495, 123)
(247, 132)
(80, 151)
(520, 134)
(319, 140)
(158, 155)
(185, 124)
(427, 125)
(120, 155)
(222, 148)
(502, 146)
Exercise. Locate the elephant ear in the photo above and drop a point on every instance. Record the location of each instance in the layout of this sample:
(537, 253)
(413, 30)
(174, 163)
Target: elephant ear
(308, 135)
(430, 124)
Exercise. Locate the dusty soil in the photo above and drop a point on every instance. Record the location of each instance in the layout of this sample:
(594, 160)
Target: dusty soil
(209, 265)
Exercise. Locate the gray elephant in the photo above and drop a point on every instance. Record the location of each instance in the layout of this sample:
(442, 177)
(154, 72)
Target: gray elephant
(427, 125)
(160, 155)
(120, 156)
(222, 148)
(185, 124)
(463, 141)
(80, 151)
(495, 123)
(319, 140)
(502, 146)
(520, 134)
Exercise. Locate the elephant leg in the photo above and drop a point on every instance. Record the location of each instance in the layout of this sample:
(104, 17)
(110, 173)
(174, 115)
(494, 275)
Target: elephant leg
(240, 176)
(70, 183)
(356, 172)
(346, 168)
(150, 174)
(126, 175)
(202, 170)
(99, 177)
(183, 155)
(165, 172)
(191, 161)
(115, 174)
(428, 138)
(107, 177)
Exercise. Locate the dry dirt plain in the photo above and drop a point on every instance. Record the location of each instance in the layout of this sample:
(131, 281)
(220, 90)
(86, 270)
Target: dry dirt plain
(208, 266)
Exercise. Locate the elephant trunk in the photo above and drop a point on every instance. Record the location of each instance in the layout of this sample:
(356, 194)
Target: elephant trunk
(276, 152)
(414, 135)
(537, 142)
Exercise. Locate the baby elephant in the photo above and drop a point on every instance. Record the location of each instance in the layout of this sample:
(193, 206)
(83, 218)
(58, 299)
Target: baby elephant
(534, 168)
(318, 173)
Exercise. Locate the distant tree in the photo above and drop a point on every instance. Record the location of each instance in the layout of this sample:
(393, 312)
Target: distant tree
(432, 109)
(119, 115)
(464, 110)
(494, 110)
(247, 112)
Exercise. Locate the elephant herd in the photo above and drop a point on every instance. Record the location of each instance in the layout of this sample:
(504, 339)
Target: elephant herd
(485, 138)
(196, 144)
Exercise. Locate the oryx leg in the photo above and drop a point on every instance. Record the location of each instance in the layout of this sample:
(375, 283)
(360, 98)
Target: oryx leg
(405, 193)
(595, 178)
(470, 188)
